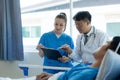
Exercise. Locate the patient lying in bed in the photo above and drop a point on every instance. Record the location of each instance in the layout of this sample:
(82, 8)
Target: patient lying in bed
(84, 73)
(79, 72)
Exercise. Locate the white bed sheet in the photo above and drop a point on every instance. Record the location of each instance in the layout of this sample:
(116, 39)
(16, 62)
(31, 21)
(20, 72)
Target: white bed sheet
(27, 78)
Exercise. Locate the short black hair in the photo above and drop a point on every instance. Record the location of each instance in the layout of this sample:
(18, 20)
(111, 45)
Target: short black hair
(82, 15)
(114, 44)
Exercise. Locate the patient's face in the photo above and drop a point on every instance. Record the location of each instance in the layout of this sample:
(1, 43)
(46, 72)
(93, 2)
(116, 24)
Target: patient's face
(99, 53)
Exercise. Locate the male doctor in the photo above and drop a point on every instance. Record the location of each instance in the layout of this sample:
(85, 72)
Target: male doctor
(88, 40)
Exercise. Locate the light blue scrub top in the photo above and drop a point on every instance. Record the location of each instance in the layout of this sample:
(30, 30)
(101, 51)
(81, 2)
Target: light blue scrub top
(50, 40)
(80, 73)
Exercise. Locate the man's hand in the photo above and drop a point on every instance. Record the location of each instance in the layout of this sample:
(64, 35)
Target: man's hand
(64, 59)
(66, 48)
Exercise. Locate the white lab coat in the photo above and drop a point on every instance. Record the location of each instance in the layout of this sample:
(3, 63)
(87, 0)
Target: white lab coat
(83, 53)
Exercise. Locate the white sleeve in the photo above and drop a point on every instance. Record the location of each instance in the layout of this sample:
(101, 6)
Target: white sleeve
(26, 78)
(76, 55)
(104, 39)
(55, 76)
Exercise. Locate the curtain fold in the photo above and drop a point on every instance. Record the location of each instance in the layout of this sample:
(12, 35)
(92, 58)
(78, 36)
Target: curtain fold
(11, 45)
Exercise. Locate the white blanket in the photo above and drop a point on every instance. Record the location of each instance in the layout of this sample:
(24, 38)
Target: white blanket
(54, 77)
(1, 78)
(27, 78)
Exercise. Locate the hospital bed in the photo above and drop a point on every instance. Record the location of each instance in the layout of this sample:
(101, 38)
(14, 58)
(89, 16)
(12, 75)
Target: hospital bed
(109, 69)
(25, 68)
(110, 66)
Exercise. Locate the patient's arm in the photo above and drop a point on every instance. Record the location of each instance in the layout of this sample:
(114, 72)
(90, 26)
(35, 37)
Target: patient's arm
(43, 76)
(55, 76)
(47, 76)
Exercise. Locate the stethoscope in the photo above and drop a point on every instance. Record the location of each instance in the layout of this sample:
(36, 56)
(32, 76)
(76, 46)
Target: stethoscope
(91, 34)
(82, 39)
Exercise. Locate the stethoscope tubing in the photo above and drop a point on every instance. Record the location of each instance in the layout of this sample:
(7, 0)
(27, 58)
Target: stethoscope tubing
(93, 33)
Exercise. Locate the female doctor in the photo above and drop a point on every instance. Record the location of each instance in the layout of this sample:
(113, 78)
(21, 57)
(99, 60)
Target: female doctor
(88, 40)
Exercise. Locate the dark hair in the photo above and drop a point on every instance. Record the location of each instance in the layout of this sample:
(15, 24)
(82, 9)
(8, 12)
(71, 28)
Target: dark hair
(63, 16)
(114, 44)
(82, 15)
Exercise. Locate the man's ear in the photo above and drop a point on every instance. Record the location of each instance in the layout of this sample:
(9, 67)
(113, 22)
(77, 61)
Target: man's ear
(86, 20)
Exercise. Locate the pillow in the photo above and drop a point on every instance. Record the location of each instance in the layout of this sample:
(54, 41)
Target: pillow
(110, 66)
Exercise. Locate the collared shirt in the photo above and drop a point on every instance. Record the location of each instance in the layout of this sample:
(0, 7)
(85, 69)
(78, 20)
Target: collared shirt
(92, 31)
(84, 52)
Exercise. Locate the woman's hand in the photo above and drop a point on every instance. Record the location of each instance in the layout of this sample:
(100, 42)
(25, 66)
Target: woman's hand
(39, 46)
(43, 76)
(64, 59)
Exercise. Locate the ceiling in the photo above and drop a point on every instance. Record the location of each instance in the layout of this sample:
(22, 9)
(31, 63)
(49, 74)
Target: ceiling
(46, 5)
